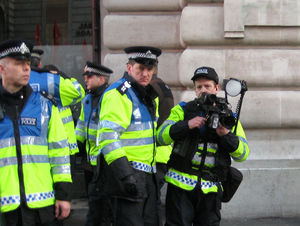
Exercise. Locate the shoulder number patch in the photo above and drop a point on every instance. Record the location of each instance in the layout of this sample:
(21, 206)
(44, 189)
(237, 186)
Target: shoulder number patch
(124, 87)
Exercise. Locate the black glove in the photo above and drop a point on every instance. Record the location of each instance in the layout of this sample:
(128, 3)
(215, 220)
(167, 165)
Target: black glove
(229, 142)
(130, 185)
(123, 172)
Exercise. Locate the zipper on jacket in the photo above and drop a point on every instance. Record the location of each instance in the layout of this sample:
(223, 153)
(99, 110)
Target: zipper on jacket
(19, 156)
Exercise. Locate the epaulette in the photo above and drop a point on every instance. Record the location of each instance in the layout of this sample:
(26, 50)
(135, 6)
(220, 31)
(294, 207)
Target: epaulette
(124, 87)
(50, 97)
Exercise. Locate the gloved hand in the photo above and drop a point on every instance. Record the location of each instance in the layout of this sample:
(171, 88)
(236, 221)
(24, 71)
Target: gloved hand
(130, 185)
(124, 173)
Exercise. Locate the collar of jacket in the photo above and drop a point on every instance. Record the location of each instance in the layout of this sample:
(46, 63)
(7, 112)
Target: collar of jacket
(15, 98)
(99, 90)
(145, 92)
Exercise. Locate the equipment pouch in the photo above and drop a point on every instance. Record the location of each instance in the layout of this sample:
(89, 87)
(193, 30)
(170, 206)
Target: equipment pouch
(230, 186)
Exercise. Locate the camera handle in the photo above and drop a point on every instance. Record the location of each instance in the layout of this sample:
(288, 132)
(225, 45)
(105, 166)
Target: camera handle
(238, 111)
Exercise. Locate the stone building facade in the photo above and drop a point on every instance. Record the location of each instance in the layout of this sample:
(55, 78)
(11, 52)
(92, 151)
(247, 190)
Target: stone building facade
(252, 40)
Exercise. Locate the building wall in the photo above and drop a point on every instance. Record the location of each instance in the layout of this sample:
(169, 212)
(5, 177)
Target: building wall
(253, 40)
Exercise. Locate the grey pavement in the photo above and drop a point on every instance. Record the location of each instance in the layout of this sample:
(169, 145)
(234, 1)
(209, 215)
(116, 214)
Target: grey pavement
(80, 207)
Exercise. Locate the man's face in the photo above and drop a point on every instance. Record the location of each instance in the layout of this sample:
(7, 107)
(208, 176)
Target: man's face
(203, 85)
(93, 81)
(15, 73)
(141, 73)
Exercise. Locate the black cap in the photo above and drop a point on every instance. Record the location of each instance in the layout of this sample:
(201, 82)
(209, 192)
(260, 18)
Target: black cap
(206, 72)
(16, 48)
(96, 69)
(37, 53)
(145, 55)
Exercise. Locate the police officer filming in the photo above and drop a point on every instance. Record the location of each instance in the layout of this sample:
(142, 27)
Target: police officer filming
(201, 156)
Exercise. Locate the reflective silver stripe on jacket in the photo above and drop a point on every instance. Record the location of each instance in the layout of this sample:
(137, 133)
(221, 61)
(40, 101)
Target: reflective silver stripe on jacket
(212, 146)
(92, 125)
(109, 136)
(25, 140)
(77, 86)
(208, 160)
(61, 169)
(164, 126)
(51, 86)
(138, 126)
(59, 144)
(59, 160)
(63, 108)
(137, 142)
(111, 147)
(80, 124)
(111, 125)
(67, 119)
(80, 133)
(243, 140)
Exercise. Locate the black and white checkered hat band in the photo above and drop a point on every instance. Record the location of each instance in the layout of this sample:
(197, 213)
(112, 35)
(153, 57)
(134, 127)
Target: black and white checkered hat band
(93, 70)
(148, 55)
(35, 55)
(18, 49)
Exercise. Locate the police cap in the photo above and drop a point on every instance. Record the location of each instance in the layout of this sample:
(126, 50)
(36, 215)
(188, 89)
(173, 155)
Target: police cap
(145, 55)
(37, 53)
(96, 69)
(16, 48)
(206, 72)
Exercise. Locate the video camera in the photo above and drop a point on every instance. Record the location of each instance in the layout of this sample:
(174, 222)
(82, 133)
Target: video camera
(216, 111)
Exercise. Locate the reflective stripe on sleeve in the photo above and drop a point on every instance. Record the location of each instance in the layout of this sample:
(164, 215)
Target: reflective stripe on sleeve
(111, 147)
(164, 126)
(77, 87)
(59, 144)
(109, 136)
(61, 169)
(244, 150)
(137, 142)
(60, 160)
(111, 125)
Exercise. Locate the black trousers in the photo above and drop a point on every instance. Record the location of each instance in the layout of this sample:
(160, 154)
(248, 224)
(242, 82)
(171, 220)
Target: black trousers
(138, 213)
(187, 208)
(23, 216)
(100, 208)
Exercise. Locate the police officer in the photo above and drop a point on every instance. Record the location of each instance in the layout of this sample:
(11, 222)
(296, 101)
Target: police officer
(35, 174)
(64, 112)
(96, 78)
(166, 103)
(200, 158)
(129, 109)
(66, 92)
(36, 55)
